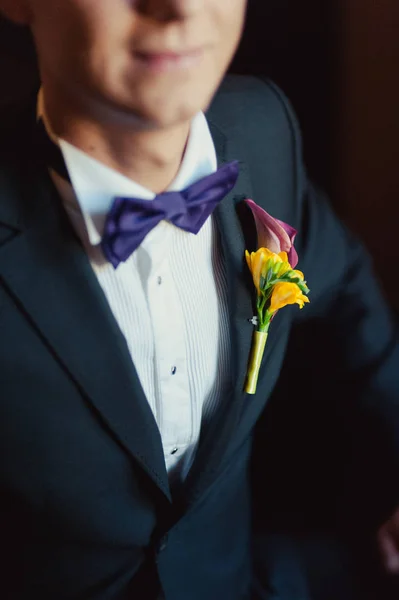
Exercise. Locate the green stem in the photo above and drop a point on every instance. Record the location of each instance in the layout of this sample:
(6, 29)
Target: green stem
(255, 361)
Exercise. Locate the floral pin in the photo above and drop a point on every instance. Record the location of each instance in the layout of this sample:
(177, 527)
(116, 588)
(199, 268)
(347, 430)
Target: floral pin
(276, 280)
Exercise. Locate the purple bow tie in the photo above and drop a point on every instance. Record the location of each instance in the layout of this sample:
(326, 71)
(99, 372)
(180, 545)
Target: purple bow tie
(131, 219)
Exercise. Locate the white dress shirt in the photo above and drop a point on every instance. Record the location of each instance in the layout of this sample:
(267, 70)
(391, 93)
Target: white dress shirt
(169, 298)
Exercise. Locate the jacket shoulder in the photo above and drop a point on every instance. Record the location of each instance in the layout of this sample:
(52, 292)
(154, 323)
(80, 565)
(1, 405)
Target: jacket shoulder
(257, 121)
(254, 107)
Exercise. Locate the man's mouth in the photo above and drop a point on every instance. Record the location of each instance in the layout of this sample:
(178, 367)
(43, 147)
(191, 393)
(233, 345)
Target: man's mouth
(166, 61)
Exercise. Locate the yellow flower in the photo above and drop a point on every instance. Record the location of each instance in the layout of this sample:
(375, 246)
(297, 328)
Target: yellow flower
(256, 261)
(261, 261)
(284, 294)
(295, 273)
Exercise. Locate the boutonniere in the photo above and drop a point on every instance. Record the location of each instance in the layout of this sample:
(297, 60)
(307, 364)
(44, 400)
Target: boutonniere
(276, 280)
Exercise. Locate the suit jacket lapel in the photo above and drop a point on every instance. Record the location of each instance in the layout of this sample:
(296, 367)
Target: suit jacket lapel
(48, 273)
(237, 233)
(234, 239)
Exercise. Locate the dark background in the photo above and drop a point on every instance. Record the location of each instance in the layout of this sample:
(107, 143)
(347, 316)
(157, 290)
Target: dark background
(293, 43)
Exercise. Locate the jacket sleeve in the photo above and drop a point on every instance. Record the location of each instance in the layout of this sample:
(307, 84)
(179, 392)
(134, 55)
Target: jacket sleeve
(338, 394)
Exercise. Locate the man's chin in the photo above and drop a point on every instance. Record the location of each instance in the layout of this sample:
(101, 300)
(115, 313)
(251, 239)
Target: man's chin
(151, 108)
(166, 116)
(164, 105)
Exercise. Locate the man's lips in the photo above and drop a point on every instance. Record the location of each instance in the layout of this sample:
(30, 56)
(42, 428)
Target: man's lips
(168, 61)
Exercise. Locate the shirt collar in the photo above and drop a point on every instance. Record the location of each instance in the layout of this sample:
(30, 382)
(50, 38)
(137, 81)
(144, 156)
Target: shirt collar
(95, 185)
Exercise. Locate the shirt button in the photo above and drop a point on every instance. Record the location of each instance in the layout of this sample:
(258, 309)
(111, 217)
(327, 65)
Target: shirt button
(159, 280)
(173, 370)
(175, 449)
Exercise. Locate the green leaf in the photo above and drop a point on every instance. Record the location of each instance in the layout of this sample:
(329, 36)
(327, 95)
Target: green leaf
(286, 276)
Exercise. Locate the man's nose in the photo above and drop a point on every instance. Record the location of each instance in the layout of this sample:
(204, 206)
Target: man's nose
(169, 10)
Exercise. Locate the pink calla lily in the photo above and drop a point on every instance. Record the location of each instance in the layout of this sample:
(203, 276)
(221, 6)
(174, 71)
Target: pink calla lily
(273, 234)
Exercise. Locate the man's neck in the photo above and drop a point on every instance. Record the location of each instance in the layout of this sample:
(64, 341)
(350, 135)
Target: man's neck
(151, 157)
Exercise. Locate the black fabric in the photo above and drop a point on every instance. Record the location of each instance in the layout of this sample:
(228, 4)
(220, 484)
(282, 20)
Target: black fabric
(50, 151)
(86, 509)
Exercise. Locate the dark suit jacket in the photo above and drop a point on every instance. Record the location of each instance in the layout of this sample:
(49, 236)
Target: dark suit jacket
(86, 509)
